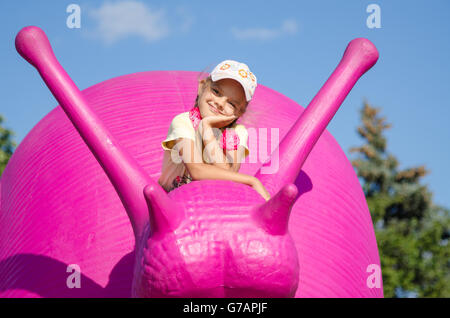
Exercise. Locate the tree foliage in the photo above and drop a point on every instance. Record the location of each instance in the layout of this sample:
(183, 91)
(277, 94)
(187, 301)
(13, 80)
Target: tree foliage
(412, 232)
(7, 145)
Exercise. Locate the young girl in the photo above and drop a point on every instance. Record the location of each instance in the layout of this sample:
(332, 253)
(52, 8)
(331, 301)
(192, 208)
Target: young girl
(206, 142)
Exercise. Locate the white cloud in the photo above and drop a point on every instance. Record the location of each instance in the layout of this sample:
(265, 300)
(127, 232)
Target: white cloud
(288, 27)
(186, 19)
(118, 20)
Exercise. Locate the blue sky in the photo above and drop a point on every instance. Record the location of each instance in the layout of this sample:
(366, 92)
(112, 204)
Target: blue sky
(291, 46)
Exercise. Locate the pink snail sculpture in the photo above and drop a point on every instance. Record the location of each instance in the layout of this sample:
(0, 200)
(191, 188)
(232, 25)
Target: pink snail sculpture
(89, 197)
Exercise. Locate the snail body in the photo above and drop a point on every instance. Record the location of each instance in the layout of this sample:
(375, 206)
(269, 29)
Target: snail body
(80, 189)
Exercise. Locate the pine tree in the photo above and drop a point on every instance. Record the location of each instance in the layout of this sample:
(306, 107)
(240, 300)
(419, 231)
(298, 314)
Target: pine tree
(7, 146)
(412, 233)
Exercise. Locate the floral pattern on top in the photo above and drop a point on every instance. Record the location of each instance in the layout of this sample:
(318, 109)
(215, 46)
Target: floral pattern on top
(179, 181)
(230, 140)
(195, 117)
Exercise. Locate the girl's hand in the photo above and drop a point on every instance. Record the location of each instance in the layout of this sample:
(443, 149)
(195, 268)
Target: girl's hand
(218, 121)
(258, 186)
(207, 123)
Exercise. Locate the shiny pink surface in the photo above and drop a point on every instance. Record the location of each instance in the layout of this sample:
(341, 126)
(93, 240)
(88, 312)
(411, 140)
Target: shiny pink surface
(210, 238)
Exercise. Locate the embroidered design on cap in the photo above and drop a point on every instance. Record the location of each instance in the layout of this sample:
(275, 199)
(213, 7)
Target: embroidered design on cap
(252, 76)
(243, 73)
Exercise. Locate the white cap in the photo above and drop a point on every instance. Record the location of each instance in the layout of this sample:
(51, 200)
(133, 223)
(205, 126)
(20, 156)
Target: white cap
(237, 71)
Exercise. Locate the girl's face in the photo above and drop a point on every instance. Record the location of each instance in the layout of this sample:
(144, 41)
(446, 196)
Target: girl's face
(224, 97)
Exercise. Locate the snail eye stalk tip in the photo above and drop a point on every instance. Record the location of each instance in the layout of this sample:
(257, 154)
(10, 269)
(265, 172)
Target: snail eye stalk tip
(273, 216)
(164, 215)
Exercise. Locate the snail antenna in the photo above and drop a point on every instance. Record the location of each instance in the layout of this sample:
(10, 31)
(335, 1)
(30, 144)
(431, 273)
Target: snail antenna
(273, 215)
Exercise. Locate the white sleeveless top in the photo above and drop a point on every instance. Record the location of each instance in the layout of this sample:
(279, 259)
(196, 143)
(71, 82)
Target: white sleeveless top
(182, 127)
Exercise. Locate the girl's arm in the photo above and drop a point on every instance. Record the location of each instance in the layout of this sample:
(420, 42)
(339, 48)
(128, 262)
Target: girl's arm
(225, 159)
(236, 156)
(215, 155)
(201, 171)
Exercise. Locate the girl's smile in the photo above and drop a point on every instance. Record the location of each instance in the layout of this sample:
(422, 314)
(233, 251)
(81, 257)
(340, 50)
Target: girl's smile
(225, 97)
(214, 110)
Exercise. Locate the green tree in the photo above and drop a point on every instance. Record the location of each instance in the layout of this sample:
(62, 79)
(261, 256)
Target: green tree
(412, 232)
(7, 145)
